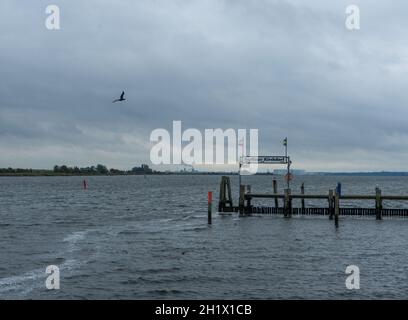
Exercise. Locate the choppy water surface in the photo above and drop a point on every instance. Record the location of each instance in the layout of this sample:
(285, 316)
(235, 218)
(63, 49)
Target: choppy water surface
(147, 238)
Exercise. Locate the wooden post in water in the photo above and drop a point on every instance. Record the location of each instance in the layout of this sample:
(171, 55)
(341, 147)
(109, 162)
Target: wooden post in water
(331, 208)
(221, 200)
(225, 196)
(287, 204)
(229, 199)
(302, 191)
(378, 204)
(275, 191)
(241, 199)
(248, 207)
(336, 208)
(209, 207)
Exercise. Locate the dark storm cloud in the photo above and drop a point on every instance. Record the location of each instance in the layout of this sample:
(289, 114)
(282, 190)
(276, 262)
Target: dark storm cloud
(289, 68)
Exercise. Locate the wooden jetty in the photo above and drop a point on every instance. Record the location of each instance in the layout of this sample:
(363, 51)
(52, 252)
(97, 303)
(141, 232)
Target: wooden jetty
(333, 209)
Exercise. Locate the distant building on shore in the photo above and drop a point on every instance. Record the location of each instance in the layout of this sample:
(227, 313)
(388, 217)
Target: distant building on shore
(143, 169)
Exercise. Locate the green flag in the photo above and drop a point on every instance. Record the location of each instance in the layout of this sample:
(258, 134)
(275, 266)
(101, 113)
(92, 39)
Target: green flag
(285, 142)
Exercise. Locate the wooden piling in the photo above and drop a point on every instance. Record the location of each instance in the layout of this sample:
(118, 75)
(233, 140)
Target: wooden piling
(225, 199)
(288, 204)
(248, 207)
(331, 204)
(302, 191)
(241, 199)
(336, 208)
(209, 207)
(221, 200)
(275, 191)
(378, 204)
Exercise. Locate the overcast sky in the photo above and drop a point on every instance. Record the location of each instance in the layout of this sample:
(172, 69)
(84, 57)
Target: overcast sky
(287, 68)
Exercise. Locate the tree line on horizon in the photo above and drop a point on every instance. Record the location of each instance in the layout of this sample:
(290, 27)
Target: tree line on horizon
(101, 169)
(66, 170)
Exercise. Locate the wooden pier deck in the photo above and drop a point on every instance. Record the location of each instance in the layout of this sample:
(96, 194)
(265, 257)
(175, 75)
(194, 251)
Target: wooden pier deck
(333, 198)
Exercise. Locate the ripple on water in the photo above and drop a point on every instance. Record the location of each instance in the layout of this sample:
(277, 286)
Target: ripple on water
(148, 238)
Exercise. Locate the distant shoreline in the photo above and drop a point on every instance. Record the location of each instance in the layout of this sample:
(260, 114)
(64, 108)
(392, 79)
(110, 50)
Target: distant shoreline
(50, 173)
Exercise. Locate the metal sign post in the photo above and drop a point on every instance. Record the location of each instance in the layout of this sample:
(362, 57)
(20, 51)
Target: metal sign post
(239, 173)
(288, 175)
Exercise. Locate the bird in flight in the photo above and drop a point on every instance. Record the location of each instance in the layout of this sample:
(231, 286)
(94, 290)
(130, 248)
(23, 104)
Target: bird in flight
(121, 98)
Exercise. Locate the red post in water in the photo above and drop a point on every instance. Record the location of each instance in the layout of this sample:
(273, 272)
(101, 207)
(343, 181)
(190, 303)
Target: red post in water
(209, 207)
(85, 185)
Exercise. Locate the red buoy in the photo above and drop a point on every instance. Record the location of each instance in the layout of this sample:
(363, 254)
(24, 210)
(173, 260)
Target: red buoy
(85, 185)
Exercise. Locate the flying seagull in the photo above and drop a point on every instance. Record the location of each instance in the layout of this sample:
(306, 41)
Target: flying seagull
(121, 98)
